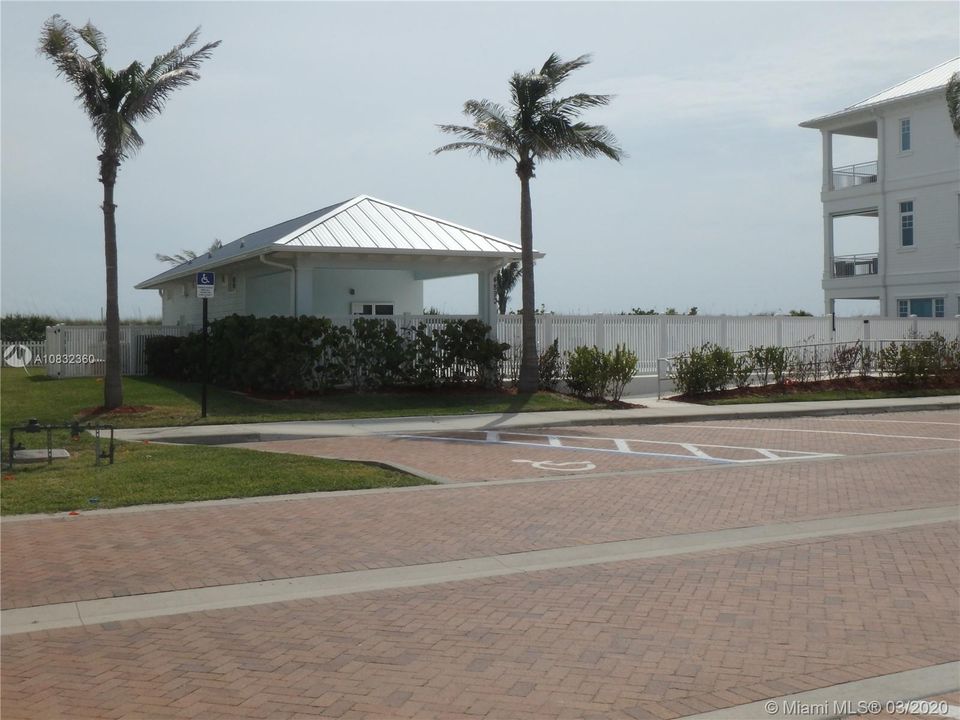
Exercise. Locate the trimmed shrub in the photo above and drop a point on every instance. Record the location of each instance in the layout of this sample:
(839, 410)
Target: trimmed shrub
(595, 374)
(709, 369)
(28, 328)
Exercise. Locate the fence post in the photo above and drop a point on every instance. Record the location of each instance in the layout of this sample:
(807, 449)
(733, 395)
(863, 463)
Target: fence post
(664, 350)
(866, 331)
(598, 331)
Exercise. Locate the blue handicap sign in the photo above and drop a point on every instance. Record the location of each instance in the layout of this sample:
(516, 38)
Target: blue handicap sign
(205, 278)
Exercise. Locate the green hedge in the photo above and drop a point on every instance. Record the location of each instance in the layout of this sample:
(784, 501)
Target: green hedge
(30, 328)
(291, 355)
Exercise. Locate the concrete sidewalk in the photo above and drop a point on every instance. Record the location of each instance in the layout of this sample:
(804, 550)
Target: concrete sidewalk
(654, 411)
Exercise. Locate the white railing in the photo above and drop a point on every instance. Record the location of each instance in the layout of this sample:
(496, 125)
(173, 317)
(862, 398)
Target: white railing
(649, 336)
(851, 265)
(858, 174)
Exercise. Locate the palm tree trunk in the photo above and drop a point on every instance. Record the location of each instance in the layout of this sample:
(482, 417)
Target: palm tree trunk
(529, 379)
(112, 385)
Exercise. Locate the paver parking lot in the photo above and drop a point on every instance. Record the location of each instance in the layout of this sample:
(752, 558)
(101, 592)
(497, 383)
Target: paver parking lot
(656, 637)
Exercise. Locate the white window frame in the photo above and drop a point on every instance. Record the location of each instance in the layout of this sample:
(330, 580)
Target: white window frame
(905, 307)
(356, 308)
(901, 215)
(905, 124)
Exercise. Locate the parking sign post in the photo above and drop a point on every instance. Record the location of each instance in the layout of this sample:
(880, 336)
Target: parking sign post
(205, 286)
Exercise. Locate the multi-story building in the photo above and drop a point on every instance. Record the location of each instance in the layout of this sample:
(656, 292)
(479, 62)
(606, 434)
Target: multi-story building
(911, 190)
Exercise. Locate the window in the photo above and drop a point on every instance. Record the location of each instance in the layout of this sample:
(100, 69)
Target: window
(921, 307)
(231, 283)
(371, 308)
(906, 223)
(905, 135)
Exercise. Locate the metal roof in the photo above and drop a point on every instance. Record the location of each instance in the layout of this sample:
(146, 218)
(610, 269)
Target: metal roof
(361, 225)
(927, 81)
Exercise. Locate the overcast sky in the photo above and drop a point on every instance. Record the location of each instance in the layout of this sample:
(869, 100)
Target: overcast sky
(306, 104)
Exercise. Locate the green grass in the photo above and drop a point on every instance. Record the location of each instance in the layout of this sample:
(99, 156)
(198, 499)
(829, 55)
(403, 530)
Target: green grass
(150, 473)
(172, 403)
(829, 395)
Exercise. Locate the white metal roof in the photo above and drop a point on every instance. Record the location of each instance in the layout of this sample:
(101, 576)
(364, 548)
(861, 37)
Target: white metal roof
(927, 81)
(360, 225)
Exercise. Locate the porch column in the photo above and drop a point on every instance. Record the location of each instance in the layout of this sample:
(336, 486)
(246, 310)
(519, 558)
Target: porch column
(827, 160)
(303, 292)
(487, 300)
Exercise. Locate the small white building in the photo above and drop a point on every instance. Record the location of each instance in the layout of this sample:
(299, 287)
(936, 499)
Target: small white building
(359, 257)
(910, 187)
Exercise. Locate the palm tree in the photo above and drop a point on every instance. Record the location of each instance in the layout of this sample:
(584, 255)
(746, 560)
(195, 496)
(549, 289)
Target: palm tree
(115, 100)
(953, 102)
(504, 282)
(187, 255)
(537, 127)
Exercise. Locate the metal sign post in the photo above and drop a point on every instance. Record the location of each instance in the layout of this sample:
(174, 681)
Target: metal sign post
(206, 281)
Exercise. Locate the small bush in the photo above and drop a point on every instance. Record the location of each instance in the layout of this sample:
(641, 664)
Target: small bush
(550, 369)
(843, 360)
(620, 366)
(587, 372)
(709, 369)
(743, 370)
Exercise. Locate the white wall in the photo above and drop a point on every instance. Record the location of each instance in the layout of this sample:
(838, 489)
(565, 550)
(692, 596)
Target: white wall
(332, 297)
(928, 175)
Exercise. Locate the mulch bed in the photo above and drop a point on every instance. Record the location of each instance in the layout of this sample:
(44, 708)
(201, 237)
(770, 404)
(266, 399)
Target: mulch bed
(950, 381)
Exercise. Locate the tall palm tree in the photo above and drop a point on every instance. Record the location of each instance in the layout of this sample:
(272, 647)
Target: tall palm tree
(953, 102)
(504, 282)
(115, 100)
(538, 126)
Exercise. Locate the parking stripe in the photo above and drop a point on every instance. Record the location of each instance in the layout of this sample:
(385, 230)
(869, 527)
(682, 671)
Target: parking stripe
(820, 432)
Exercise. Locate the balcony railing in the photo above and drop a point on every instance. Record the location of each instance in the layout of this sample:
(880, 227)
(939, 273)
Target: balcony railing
(851, 175)
(851, 265)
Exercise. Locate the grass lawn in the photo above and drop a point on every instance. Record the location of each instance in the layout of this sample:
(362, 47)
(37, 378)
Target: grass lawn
(828, 395)
(162, 402)
(150, 473)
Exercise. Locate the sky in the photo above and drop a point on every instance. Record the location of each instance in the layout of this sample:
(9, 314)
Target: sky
(306, 104)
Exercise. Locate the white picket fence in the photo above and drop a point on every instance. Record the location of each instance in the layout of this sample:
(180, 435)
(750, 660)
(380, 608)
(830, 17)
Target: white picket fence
(81, 350)
(649, 336)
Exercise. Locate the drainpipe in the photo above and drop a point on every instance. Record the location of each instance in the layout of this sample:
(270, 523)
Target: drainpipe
(293, 285)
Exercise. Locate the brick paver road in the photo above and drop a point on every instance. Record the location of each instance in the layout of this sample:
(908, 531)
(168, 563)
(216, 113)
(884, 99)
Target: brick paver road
(645, 638)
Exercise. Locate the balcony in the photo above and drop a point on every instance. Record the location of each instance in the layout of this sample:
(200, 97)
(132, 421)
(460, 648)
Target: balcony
(854, 265)
(853, 175)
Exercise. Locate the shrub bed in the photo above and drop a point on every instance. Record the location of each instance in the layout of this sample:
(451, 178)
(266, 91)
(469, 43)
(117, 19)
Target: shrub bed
(932, 361)
(286, 355)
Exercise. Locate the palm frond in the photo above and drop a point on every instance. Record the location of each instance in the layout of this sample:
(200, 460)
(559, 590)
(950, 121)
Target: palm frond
(93, 37)
(167, 73)
(558, 70)
(953, 102)
(477, 148)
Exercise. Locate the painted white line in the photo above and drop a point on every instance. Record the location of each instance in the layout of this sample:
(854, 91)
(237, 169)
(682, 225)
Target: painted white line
(825, 432)
(694, 451)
